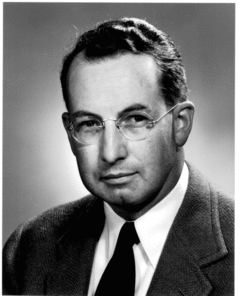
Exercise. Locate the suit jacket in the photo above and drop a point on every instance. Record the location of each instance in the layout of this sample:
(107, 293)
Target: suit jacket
(53, 253)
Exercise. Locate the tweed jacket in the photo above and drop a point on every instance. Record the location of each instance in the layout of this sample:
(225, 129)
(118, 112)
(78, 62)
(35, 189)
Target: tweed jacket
(53, 253)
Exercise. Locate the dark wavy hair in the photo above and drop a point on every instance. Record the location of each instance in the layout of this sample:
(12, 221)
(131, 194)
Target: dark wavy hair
(131, 35)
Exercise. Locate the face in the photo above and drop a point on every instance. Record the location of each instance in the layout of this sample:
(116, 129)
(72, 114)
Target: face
(131, 176)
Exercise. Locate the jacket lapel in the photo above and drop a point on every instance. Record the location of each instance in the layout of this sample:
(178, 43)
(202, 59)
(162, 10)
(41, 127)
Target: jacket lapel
(194, 242)
(177, 272)
(71, 274)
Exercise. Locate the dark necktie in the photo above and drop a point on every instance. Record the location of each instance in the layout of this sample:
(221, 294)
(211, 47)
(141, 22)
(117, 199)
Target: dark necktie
(118, 278)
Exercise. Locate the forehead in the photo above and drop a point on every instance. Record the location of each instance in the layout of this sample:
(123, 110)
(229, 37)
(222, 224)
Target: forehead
(113, 83)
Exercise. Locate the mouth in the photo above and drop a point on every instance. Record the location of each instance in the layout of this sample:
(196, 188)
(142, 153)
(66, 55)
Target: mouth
(118, 178)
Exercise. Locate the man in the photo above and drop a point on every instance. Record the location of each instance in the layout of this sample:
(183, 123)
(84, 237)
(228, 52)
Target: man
(153, 224)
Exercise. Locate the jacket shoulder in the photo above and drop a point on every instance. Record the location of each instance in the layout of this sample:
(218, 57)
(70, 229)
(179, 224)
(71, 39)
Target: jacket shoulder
(226, 211)
(212, 242)
(55, 220)
(35, 239)
(205, 194)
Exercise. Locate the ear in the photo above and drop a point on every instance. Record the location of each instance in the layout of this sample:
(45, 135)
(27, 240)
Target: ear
(66, 122)
(182, 122)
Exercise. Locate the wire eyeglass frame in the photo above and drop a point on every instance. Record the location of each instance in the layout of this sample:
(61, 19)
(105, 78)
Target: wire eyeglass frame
(120, 126)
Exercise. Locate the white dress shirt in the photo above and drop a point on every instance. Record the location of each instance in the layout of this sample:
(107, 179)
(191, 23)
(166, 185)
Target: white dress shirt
(152, 229)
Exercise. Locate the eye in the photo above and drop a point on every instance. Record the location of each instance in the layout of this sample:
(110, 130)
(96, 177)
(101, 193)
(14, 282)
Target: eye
(85, 124)
(88, 123)
(135, 119)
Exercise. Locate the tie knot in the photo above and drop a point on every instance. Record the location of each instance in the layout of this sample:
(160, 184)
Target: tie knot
(128, 234)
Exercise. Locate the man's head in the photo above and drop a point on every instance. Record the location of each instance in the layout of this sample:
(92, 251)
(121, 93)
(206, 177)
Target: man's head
(127, 143)
(131, 35)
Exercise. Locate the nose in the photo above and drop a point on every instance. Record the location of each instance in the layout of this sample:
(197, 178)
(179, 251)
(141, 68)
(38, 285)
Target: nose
(113, 143)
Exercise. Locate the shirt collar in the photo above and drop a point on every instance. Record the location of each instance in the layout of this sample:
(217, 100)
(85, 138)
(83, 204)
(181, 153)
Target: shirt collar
(113, 223)
(153, 227)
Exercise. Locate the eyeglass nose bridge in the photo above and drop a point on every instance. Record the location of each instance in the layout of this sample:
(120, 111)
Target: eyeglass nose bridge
(112, 119)
(118, 126)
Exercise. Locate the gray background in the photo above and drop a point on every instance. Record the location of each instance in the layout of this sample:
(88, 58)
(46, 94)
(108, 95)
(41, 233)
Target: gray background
(39, 170)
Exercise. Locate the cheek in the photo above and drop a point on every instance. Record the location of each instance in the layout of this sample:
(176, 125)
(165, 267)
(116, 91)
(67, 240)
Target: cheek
(87, 158)
(155, 153)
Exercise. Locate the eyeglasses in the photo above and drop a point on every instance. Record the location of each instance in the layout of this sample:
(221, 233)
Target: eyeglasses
(134, 125)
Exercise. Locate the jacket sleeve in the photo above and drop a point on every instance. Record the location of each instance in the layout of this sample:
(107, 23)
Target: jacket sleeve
(10, 261)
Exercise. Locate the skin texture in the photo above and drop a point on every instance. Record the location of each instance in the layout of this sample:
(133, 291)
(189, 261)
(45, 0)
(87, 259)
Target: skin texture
(132, 176)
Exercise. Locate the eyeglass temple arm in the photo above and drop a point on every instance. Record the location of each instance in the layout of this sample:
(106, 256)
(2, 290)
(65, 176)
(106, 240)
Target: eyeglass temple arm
(157, 120)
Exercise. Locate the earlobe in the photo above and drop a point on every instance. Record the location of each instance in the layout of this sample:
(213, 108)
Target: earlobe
(182, 122)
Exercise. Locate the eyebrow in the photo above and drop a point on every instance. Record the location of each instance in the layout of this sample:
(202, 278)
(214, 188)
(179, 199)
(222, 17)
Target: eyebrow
(84, 113)
(134, 107)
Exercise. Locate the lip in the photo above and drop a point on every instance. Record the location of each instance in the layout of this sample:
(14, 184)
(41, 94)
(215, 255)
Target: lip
(118, 178)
